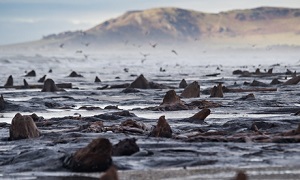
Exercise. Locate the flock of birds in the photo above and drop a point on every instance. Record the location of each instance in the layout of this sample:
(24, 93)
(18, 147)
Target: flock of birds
(144, 55)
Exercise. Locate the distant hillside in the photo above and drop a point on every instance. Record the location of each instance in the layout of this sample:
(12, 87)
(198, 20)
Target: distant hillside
(265, 26)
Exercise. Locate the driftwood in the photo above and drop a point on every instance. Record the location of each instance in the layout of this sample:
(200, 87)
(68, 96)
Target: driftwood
(39, 86)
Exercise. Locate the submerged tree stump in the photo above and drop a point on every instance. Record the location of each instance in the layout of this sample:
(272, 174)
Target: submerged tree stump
(192, 90)
(23, 127)
(9, 82)
(95, 157)
(162, 129)
(49, 86)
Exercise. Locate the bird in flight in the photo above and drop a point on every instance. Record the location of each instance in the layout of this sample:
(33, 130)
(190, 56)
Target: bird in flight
(173, 51)
(153, 45)
(145, 55)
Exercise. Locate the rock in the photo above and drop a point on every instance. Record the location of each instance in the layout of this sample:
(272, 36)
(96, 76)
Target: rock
(31, 74)
(203, 104)
(248, 97)
(154, 85)
(237, 72)
(95, 157)
(42, 79)
(23, 127)
(275, 82)
(110, 174)
(258, 83)
(2, 103)
(130, 90)
(74, 74)
(125, 85)
(125, 147)
(9, 82)
(293, 81)
(246, 74)
(49, 86)
(26, 85)
(241, 176)
(200, 116)
(95, 127)
(183, 84)
(162, 129)
(140, 82)
(217, 91)
(192, 90)
(97, 79)
(89, 108)
(213, 75)
(104, 87)
(111, 107)
(246, 83)
(133, 124)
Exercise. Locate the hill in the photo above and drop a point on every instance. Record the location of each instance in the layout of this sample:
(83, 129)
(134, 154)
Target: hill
(266, 26)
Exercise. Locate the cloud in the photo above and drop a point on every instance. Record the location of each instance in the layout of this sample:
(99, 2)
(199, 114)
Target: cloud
(20, 20)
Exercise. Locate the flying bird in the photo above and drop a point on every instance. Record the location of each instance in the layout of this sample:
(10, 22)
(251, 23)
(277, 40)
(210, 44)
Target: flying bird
(86, 56)
(153, 45)
(173, 51)
(145, 55)
(143, 60)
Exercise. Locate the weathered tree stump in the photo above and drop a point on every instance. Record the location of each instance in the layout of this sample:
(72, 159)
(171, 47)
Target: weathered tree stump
(23, 127)
(95, 157)
(49, 86)
(125, 147)
(162, 129)
(192, 90)
(10, 81)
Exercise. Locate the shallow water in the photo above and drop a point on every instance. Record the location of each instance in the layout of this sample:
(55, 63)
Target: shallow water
(275, 107)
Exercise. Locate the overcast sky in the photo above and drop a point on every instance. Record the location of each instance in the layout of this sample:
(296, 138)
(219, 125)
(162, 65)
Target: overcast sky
(26, 20)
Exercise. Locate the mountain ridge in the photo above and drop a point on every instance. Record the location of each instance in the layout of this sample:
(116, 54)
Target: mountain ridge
(263, 25)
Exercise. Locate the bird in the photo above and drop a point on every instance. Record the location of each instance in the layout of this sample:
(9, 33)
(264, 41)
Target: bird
(87, 44)
(61, 45)
(79, 51)
(143, 60)
(173, 51)
(86, 56)
(145, 55)
(153, 45)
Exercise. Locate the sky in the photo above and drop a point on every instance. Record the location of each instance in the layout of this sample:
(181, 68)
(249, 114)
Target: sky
(28, 20)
